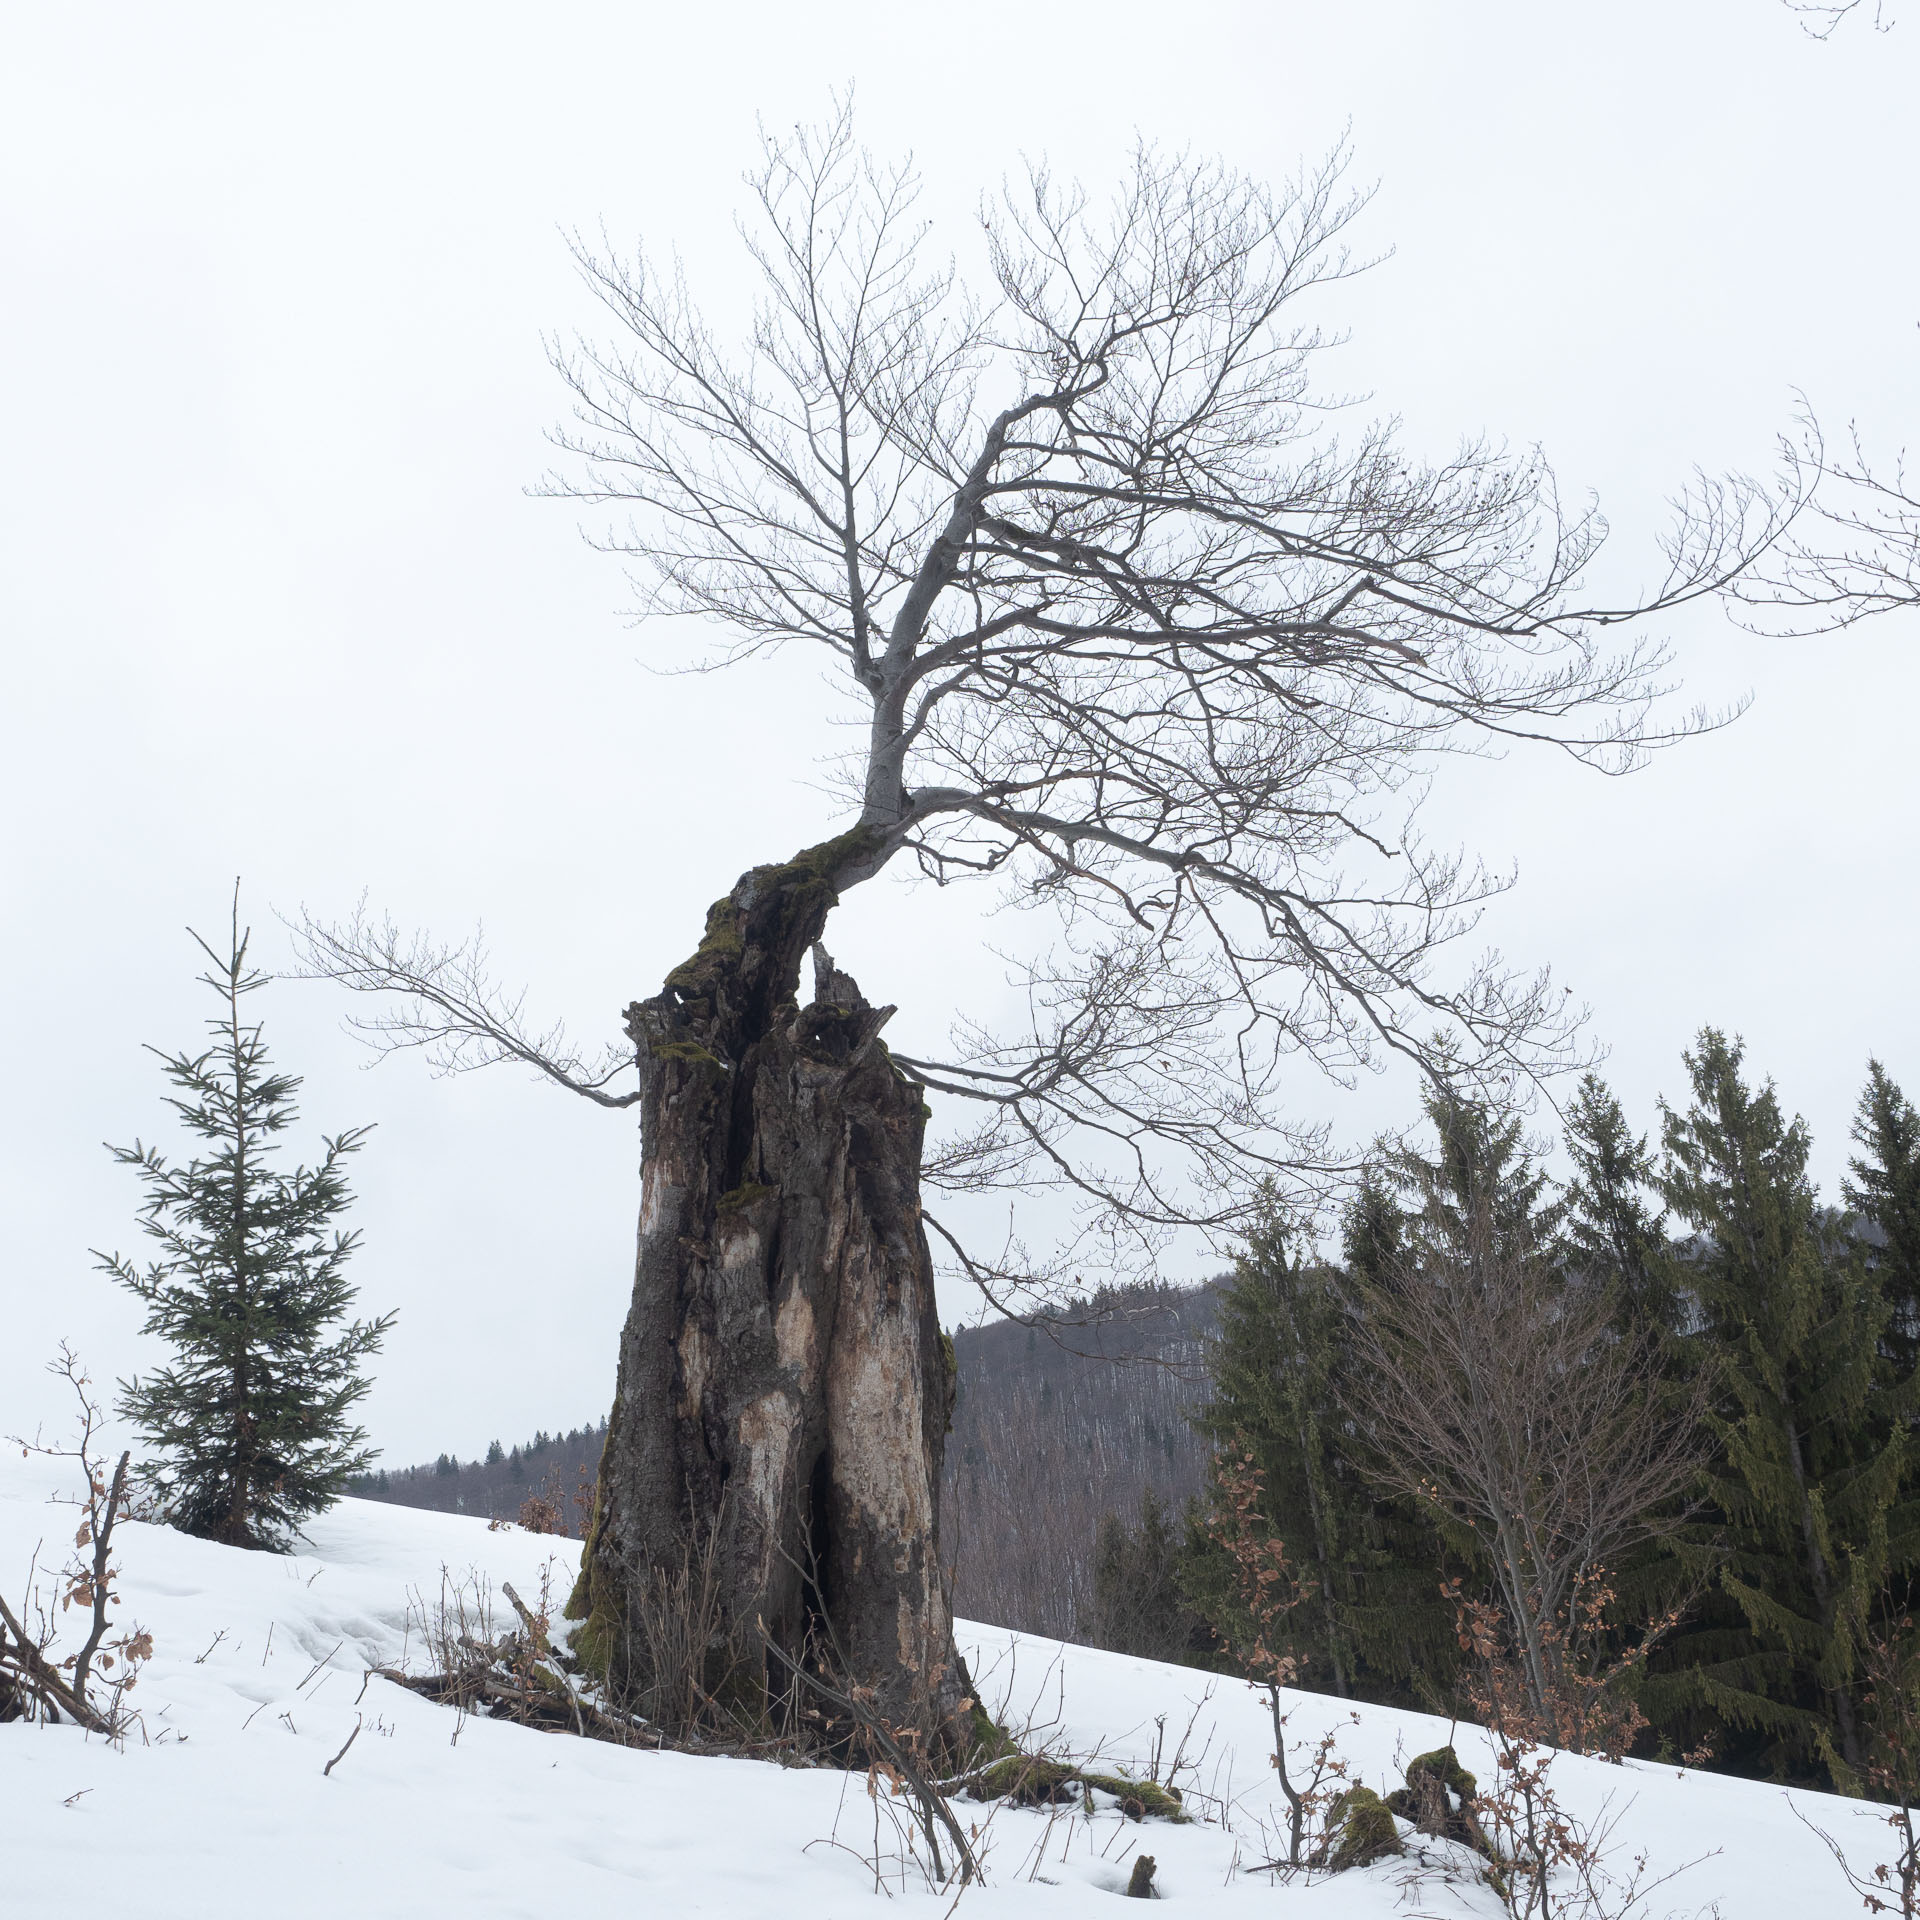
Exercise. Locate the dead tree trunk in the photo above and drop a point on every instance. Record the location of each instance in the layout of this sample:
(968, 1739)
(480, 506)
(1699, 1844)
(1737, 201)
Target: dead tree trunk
(783, 1387)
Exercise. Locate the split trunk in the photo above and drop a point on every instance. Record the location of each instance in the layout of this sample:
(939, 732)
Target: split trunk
(784, 1388)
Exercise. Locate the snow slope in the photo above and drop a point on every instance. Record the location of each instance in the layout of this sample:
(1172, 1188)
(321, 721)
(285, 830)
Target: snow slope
(222, 1809)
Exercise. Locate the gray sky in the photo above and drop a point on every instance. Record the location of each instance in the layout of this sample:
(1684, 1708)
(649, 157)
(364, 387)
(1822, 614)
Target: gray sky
(273, 601)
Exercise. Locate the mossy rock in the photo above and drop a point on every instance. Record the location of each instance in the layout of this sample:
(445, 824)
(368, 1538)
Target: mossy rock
(1360, 1830)
(1438, 1798)
(1139, 1799)
(1025, 1780)
(1444, 1765)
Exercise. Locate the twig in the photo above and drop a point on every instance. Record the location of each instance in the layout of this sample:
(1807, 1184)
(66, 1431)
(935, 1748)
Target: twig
(342, 1754)
(932, 1807)
(318, 1664)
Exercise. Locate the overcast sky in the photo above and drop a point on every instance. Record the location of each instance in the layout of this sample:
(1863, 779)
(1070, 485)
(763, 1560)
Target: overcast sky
(275, 602)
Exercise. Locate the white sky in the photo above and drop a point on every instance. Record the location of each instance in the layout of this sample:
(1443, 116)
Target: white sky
(273, 601)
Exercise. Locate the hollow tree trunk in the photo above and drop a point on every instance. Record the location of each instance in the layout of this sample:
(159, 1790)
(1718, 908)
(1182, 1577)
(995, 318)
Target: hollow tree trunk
(783, 1387)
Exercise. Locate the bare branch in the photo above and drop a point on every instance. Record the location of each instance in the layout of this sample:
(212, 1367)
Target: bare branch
(1820, 19)
(1127, 619)
(447, 1005)
(1859, 554)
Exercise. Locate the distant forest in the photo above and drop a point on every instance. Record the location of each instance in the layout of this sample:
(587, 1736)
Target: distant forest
(1055, 1425)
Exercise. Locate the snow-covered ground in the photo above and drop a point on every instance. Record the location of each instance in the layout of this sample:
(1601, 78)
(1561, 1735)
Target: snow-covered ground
(220, 1806)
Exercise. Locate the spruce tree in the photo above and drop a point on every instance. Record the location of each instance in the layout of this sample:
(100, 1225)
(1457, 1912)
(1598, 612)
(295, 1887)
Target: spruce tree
(1138, 1607)
(1374, 1626)
(1484, 1177)
(253, 1416)
(1613, 1234)
(1810, 1476)
(1885, 1192)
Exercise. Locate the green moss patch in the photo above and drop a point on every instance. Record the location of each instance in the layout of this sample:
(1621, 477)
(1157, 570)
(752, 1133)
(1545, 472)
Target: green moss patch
(1029, 1780)
(1360, 1830)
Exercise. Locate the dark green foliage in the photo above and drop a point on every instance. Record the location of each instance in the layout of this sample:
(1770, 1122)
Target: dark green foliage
(1138, 1606)
(1485, 1182)
(1373, 1231)
(253, 1417)
(1809, 1487)
(1613, 1234)
(1885, 1192)
(1374, 1626)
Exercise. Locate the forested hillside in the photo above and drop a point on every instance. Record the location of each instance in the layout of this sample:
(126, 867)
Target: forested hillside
(555, 1471)
(1055, 1425)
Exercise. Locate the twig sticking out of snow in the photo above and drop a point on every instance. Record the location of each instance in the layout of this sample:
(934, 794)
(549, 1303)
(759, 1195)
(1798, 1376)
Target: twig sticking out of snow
(342, 1754)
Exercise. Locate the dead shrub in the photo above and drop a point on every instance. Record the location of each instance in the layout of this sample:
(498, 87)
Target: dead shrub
(538, 1514)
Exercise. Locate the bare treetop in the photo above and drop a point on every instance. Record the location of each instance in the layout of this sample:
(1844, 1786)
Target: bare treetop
(1131, 624)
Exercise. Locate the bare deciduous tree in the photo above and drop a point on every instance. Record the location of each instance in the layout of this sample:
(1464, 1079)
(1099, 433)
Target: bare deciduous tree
(1131, 631)
(1501, 1395)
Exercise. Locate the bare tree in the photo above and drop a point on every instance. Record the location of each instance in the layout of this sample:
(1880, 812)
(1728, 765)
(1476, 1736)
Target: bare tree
(1128, 629)
(1500, 1394)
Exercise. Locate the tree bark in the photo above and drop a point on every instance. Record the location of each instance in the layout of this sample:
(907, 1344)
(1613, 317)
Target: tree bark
(783, 1387)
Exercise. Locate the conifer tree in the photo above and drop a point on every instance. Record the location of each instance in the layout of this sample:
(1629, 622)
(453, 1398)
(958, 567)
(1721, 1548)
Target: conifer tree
(1373, 1623)
(1373, 1229)
(1810, 1477)
(1138, 1607)
(1484, 1182)
(253, 1416)
(1885, 1192)
(1613, 1234)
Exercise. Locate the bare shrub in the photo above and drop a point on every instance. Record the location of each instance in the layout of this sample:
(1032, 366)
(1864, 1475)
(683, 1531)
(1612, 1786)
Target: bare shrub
(688, 1648)
(513, 1674)
(1502, 1397)
(538, 1514)
(33, 1686)
(1268, 1589)
(1548, 1863)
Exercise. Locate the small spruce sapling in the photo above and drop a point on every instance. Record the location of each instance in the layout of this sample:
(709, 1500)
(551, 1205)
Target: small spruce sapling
(253, 1418)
